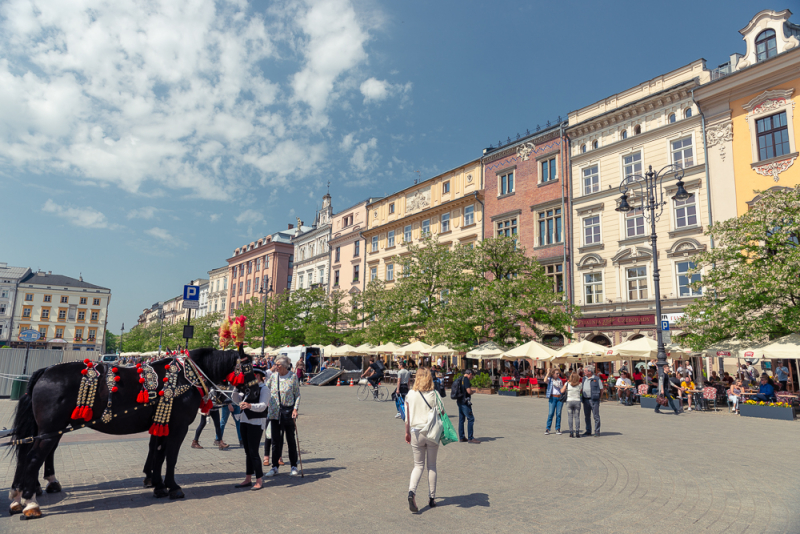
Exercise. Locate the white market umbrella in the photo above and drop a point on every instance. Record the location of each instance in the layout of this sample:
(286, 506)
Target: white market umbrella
(417, 346)
(785, 348)
(728, 348)
(345, 350)
(484, 353)
(387, 347)
(581, 348)
(328, 351)
(530, 350)
(365, 348)
(441, 350)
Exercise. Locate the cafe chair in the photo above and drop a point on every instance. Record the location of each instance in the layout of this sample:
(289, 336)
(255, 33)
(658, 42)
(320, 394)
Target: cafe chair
(710, 394)
(508, 382)
(536, 387)
(524, 384)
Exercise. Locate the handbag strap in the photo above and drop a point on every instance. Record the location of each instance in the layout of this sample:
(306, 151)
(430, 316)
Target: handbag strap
(423, 398)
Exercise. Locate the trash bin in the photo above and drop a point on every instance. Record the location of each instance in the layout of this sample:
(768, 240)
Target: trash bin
(18, 387)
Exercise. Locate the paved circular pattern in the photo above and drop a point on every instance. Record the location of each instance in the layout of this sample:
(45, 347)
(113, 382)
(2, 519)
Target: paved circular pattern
(701, 472)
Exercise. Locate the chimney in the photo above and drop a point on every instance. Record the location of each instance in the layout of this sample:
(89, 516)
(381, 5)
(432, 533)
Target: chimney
(291, 226)
(49, 272)
(3, 265)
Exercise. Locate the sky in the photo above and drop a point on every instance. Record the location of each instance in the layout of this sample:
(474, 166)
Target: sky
(141, 142)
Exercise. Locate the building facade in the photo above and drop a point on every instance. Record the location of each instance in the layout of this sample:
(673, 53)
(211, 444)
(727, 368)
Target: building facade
(449, 205)
(311, 253)
(269, 260)
(527, 196)
(10, 278)
(653, 124)
(751, 117)
(218, 290)
(70, 314)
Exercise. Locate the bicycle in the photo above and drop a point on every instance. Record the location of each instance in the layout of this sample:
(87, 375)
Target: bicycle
(379, 392)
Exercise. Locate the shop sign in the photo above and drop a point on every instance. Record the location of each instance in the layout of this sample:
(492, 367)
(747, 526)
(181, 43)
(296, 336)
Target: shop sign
(628, 320)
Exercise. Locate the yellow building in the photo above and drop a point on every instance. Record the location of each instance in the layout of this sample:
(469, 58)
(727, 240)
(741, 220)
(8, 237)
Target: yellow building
(750, 116)
(449, 205)
(69, 314)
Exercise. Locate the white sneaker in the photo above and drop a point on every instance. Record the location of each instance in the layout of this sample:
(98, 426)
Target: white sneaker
(294, 472)
(272, 472)
(690, 408)
(398, 416)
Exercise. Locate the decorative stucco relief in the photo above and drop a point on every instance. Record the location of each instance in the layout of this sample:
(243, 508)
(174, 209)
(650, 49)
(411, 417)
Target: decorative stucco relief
(720, 134)
(775, 168)
(418, 200)
(524, 151)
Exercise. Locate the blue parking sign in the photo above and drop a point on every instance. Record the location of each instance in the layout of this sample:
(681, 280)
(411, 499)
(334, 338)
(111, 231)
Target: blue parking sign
(665, 326)
(191, 293)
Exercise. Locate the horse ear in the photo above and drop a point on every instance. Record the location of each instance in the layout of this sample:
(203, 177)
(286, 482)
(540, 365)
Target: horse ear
(242, 355)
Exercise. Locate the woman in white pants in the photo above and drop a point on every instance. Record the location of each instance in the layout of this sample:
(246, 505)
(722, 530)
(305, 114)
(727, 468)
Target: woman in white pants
(735, 394)
(420, 404)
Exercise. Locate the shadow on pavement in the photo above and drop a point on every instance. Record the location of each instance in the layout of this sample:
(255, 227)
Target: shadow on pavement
(489, 439)
(466, 501)
(603, 434)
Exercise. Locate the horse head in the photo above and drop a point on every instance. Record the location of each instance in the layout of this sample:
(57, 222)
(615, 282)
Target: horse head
(216, 364)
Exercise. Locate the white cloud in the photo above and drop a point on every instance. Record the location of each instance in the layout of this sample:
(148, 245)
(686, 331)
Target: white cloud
(215, 217)
(362, 159)
(250, 217)
(347, 142)
(375, 90)
(146, 213)
(83, 217)
(165, 236)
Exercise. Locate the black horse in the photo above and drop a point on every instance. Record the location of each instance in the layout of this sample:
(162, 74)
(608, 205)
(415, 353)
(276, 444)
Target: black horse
(47, 408)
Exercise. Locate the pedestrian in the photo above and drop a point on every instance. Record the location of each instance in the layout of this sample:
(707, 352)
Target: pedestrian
(252, 426)
(213, 414)
(665, 386)
(766, 391)
(782, 374)
(553, 394)
(591, 389)
(573, 389)
(284, 401)
(420, 407)
(403, 376)
(464, 401)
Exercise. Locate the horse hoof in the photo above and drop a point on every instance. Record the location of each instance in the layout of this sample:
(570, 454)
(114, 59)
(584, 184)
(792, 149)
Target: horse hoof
(53, 487)
(15, 508)
(176, 494)
(160, 493)
(148, 483)
(32, 513)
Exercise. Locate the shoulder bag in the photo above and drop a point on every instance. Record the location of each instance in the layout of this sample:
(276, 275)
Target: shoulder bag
(433, 426)
(448, 432)
(285, 411)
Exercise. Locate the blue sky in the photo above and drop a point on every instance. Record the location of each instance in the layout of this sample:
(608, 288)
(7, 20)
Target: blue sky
(141, 142)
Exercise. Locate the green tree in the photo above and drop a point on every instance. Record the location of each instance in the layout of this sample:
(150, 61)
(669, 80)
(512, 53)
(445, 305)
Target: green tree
(111, 342)
(751, 280)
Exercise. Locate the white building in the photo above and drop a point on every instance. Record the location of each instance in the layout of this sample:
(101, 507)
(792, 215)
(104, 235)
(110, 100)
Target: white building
(9, 280)
(312, 259)
(203, 310)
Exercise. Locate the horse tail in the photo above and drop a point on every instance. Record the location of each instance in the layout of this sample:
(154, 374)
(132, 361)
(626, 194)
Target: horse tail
(24, 422)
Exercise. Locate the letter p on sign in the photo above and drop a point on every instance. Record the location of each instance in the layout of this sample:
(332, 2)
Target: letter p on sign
(191, 293)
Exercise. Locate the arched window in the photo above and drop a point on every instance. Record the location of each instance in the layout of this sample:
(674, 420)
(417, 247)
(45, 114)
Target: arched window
(595, 144)
(687, 113)
(601, 340)
(766, 46)
(583, 148)
(672, 118)
(637, 130)
(624, 134)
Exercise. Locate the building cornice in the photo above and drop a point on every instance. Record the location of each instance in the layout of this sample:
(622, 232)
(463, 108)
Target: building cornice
(420, 215)
(398, 194)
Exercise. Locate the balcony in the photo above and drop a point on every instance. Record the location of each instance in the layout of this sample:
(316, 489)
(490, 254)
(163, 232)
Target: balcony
(721, 71)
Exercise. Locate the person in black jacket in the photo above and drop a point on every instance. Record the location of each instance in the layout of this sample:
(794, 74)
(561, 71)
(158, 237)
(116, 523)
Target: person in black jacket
(591, 388)
(665, 386)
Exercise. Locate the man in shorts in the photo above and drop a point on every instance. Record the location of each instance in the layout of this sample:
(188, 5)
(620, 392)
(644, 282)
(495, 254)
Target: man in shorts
(374, 373)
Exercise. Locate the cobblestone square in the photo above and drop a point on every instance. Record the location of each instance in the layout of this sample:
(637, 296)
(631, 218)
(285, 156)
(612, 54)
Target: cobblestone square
(701, 472)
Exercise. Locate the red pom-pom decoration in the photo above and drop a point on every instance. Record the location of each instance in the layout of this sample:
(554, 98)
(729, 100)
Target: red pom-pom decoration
(138, 365)
(141, 380)
(87, 361)
(84, 371)
(166, 378)
(90, 365)
(160, 393)
(114, 389)
(166, 367)
(114, 370)
(140, 370)
(117, 379)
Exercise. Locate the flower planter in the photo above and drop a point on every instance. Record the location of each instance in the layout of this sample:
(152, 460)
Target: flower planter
(648, 402)
(766, 412)
(509, 393)
(485, 391)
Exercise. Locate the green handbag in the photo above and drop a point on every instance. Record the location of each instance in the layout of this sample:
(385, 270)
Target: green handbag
(448, 432)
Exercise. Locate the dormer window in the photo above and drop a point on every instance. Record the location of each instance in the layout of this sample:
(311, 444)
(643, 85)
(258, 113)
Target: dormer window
(595, 144)
(766, 45)
(672, 118)
(687, 113)
(624, 134)
(637, 130)
(583, 148)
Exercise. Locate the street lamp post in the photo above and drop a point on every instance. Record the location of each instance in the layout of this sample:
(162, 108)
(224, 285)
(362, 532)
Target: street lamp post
(648, 192)
(121, 331)
(161, 328)
(266, 288)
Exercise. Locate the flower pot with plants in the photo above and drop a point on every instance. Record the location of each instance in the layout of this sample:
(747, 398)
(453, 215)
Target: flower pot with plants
(509, 392)
(483, 383)
(767, 410)
(648, 401)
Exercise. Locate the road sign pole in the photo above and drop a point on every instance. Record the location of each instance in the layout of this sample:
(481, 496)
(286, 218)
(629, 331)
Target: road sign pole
(188, 323)
(25, 367)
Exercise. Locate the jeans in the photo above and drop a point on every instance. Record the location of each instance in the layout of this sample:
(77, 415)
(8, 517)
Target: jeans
(762, 397)
(465, 412)
(591, 408)
(251, 441)
(224, 420)
(555, 408)
(283, 426)
(423, 450)
(214, 415)
(574, 413)
(670, 402)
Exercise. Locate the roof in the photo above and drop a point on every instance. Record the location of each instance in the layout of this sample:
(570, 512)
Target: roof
(14, 272)
(418, 184)
(44, 279)
(368, 200)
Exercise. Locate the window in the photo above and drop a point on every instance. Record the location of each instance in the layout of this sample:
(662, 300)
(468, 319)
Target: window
(92, 334)
(59, 333)
(595, 144)
(289, 282)
(634, 223)
(2, 309)
(96, 302)
(637, 130)
(682, 154)
(374, 243)
(591, 230)
(593, 288)
(83, 300)
(356, 269)
(632, 166)
(29, 297)
(549, 227)
(78, 334)
(390, 242)
(685, 212)
(624, 134)
(507, 183)
(426, 227)
(45, 313)
(373, 274)
(248, 286)
(356, 249)
(222, 304)
(233, 290)
(291, 261)
(773, 136)
(249, 267)
(43, 332)
(338, 255)
(300, 281)
(93, 316)
(391, 208)
(687, 113)
(225, 281)
(336, 277)
(672, 118)
(407, 234)
(321, 274)
(49, 298)
(684, 280)
(233, 306)
(507, 228)
(81, 316)
(445, 222)
(258, 264)
(591, 180)
(583, 148)
(469, 215)
(26, 312)
(556, 273)
(233, 272)
(64, 300)
(766, 45)
(263, 283)
(637, 283)
(389, 272)
(241, 288)
(445, 188)
(549, 170)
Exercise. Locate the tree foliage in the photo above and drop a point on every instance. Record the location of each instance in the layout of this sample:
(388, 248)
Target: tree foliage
(751, 279)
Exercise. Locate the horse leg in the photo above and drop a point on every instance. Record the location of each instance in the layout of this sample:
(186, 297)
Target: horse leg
(158, 448)
(174, 441)
(15, 493)
(53, 485)
(148, 464)
(30, 479)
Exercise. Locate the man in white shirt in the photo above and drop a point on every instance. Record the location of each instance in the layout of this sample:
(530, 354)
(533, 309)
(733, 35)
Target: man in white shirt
(624, 388)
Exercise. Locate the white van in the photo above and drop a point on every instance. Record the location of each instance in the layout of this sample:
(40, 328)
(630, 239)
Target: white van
(109, 358)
